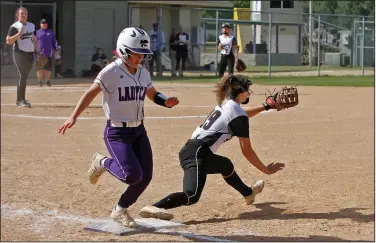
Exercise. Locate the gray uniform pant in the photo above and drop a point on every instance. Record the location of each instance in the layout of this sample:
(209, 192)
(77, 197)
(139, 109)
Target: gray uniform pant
(24, 63)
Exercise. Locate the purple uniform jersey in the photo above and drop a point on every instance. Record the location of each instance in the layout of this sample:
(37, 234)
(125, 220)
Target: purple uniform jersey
(47, 41)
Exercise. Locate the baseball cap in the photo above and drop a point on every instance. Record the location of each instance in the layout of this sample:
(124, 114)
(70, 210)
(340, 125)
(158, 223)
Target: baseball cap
(226, 25)
(44, 21)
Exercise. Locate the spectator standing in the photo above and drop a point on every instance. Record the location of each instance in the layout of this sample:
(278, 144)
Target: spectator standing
(157, 39)
(173, 50)
(182, 50)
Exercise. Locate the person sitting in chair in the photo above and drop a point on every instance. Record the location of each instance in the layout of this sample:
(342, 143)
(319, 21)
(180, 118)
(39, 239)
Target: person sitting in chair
(98, 61)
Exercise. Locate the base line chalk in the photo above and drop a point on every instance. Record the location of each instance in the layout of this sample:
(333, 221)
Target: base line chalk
(94, 117)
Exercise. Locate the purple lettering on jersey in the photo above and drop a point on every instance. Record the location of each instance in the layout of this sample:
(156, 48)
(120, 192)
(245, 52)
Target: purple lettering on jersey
(124, 97)
(137, 90)
(132, 93)
(142, 94)
(121, 98)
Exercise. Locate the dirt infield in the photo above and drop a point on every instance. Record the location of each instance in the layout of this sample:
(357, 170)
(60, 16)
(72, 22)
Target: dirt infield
(325, 193)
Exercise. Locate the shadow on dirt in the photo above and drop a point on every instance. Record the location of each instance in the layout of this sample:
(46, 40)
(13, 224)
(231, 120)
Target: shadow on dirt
(278, 238)
(270, 212)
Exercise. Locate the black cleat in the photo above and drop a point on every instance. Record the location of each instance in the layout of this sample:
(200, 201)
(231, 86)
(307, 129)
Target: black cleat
(23, 103)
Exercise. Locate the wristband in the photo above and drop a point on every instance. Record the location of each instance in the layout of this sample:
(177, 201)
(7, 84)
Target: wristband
(266, 106)
(160, 99)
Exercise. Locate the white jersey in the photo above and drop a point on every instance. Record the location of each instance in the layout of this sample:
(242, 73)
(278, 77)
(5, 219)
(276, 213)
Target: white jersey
(157, 44)
(222, 124)
(26, 42)
(123, 92)
(228, 43)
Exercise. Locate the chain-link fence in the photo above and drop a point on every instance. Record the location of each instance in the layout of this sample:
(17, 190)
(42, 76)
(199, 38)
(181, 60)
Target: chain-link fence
(269, 42)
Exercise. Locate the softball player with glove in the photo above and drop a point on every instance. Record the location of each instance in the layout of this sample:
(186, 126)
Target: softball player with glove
(21, 36)
(124, 84)
(198, 158)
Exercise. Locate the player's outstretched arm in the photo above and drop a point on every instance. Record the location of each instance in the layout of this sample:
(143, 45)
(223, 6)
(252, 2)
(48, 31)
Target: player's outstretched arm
(160, 99)
(249, 153)
(254, 111)
(82, 104)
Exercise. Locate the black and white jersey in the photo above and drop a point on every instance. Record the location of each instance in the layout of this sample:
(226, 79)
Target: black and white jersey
(228, 43)
(222, 124)
(26, 42)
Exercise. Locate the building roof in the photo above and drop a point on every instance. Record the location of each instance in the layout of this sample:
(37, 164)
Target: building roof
(231, 21)
(222, 4)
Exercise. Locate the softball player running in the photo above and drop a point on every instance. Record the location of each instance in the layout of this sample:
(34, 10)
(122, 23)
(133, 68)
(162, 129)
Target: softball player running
(124, 84)
(198, 158)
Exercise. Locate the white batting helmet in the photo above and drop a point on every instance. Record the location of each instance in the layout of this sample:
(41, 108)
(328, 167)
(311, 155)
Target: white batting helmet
(133, 40)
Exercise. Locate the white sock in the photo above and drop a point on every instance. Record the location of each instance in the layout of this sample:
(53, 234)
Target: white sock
(119, 208)
(102, 162)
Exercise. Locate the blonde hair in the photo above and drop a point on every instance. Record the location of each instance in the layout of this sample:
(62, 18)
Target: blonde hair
(18, 11)
(226, 88)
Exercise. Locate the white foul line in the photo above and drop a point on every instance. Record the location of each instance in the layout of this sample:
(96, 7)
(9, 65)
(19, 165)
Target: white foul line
(53, 215)
(94, 117)
(100, 105)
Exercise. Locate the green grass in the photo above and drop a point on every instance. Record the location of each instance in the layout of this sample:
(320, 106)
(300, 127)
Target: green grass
(302, 68)
(354, 81)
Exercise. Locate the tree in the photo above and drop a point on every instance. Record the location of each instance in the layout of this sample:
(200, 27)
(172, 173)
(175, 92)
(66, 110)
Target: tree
(241, 3)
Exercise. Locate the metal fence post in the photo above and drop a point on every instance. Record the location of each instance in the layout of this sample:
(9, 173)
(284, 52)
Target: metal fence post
(318, 46)
(310, 34)
(354, 53)
(216, 47)
(270, 45)
(204, 36)
(130, 10)
(159, 51)
(363, 46)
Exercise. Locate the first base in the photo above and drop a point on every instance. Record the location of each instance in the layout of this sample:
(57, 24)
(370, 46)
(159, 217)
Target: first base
(143, 225)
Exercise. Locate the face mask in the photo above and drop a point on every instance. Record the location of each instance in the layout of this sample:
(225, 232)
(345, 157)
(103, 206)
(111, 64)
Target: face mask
(246, 101)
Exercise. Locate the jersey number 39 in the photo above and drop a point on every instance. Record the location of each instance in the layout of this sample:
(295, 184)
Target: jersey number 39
(211, 119)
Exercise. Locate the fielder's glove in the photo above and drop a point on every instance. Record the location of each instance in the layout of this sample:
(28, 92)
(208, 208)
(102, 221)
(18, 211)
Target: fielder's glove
(41, 60)
(286, 98)
(240, 65)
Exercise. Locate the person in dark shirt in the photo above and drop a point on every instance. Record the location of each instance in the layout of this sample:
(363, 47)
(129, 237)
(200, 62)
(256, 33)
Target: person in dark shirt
(173, 50)
(47, 45)
(182, 50)
(98, 61)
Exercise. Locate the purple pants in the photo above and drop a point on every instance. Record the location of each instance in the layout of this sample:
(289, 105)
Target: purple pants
(132, 160)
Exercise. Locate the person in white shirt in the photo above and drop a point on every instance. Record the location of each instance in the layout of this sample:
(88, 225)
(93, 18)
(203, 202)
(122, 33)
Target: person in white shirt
(21, 36)
(198, 157)
(227, 44)
(157, 38)
(124, 84)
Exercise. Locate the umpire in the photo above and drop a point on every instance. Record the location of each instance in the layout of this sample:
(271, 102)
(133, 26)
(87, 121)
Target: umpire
(227, 43)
